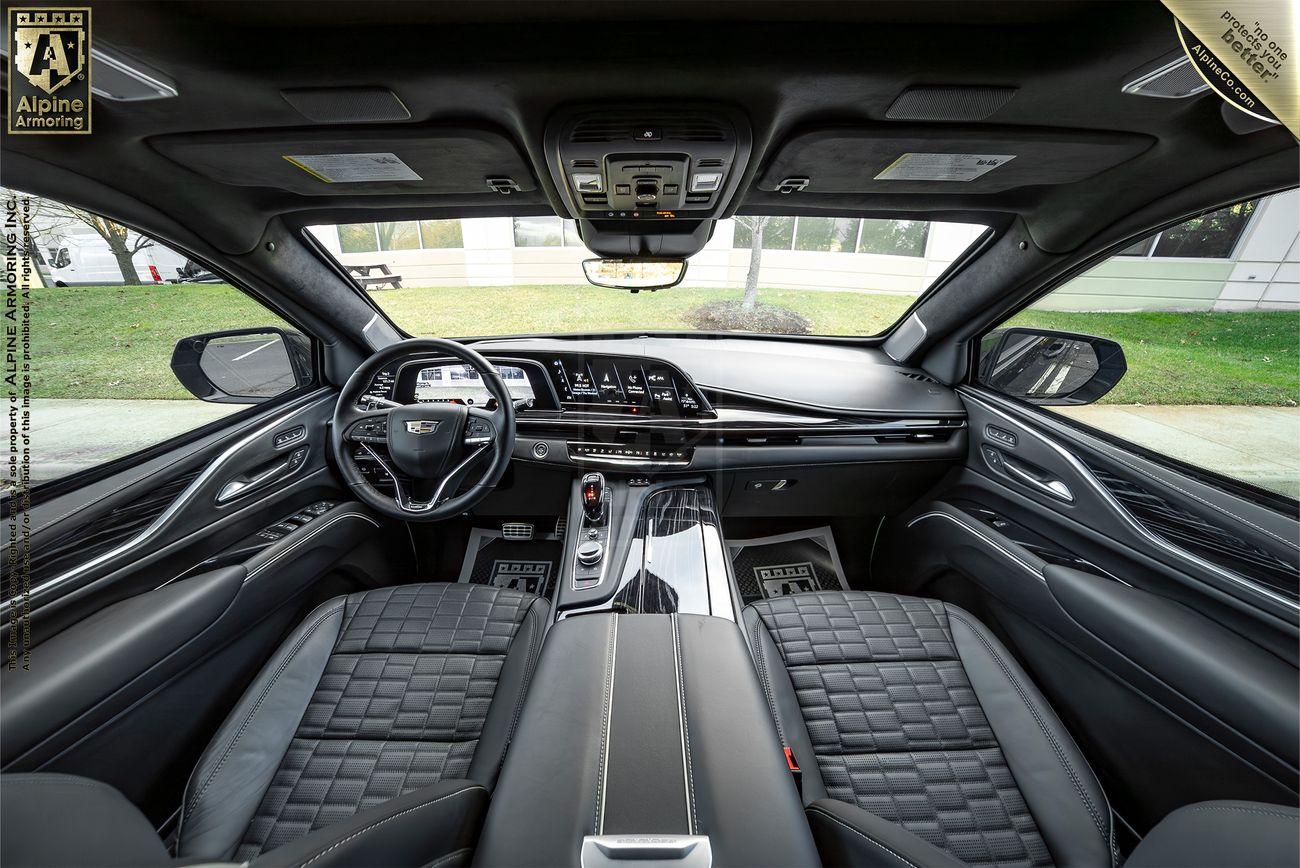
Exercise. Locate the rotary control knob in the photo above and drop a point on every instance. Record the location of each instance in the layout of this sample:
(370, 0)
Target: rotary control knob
(590, 552)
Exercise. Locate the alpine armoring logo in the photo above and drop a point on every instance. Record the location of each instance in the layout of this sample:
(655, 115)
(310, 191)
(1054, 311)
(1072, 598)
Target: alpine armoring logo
(49, 71)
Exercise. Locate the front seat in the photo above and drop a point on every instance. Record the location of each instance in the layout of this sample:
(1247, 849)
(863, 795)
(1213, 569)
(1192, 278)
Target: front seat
(370, 736)
(918, 736)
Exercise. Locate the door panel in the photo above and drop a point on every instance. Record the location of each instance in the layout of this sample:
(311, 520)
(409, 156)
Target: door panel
(149, 524)
(136, 592)
(1172, 658)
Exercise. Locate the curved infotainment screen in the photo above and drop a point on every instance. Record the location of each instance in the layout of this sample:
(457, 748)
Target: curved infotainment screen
(452, 383)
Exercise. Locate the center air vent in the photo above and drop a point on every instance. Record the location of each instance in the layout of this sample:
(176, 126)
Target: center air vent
(620, 128)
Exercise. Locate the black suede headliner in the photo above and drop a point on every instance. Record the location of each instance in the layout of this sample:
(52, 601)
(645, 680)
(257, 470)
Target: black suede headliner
(790, 67)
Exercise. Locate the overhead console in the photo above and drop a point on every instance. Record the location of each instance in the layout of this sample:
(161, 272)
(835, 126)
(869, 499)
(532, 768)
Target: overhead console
(619, 168)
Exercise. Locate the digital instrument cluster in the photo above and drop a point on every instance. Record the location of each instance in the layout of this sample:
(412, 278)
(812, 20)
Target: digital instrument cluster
(461, 384)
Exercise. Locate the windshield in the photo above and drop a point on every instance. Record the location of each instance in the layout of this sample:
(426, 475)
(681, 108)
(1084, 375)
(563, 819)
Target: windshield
(523, 275)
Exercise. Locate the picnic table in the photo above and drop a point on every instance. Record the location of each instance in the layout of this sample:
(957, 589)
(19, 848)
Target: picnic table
(367, 278)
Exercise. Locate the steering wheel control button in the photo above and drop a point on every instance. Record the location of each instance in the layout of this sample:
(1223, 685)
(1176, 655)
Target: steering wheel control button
(370, 431)
(590, 552)
(540, 449)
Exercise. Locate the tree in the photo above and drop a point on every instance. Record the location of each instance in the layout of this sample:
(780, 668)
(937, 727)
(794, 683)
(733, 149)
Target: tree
(118, 238)
(755, 225)
(121, 241)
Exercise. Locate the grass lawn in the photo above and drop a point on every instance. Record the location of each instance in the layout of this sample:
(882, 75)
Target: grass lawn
(116, 342)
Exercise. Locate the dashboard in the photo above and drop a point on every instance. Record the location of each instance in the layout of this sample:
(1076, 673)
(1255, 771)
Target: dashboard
(654, 404)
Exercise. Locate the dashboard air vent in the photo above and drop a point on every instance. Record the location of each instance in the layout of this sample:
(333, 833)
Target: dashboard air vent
(919, 377)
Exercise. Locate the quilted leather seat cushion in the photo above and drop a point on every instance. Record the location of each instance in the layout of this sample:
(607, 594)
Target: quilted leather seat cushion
(894, 723)
(400, 694)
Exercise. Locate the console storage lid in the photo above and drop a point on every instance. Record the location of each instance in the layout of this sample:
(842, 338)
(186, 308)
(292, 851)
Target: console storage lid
(645, 725)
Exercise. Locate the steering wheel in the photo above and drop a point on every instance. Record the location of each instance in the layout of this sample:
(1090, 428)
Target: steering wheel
(431, 445)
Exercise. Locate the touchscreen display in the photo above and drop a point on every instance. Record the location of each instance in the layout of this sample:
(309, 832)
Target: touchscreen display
(621, 383)
(462, 384)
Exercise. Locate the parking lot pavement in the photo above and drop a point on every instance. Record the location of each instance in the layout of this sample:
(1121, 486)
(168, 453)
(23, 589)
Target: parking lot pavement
(1255, 444)
(72, 434)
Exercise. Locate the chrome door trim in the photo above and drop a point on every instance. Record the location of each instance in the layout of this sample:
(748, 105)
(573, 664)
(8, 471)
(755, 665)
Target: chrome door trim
(1020, 562)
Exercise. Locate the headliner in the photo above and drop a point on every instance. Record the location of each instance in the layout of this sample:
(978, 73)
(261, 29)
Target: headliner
(788, 67)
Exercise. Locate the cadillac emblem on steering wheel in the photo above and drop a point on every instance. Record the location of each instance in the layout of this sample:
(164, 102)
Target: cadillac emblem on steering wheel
(421, 426)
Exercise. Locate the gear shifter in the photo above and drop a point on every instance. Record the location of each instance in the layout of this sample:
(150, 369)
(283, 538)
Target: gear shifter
(593, 499)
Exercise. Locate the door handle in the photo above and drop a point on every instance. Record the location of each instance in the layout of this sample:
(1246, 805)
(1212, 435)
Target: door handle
(1046, 484)
(248, 484)
(236, 487)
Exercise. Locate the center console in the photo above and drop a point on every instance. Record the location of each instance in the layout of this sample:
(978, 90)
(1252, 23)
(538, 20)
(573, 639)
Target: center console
(643, 546)
(645, 740)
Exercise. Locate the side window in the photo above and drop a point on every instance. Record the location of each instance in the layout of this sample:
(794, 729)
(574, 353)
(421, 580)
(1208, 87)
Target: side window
(133, 343)
(1185, 344)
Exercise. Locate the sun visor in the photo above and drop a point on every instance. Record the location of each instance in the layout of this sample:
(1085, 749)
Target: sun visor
(376, 162)
(943, 160)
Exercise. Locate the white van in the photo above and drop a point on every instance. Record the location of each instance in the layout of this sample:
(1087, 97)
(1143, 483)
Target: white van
(78, 255)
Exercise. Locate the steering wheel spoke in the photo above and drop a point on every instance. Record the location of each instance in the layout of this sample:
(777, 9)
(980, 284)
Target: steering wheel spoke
(368, 426)
(481, 427)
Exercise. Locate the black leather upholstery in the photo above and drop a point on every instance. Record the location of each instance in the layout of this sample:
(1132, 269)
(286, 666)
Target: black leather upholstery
(1212, 834)
(65, 821)
(431, 826)
(375, 695)
(912, 711)
(849, 837)
(60, 821)
(645, 725)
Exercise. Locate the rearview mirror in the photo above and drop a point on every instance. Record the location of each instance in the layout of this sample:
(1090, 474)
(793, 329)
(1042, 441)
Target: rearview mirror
(1049, 367)
(242, 366)
(634, 274)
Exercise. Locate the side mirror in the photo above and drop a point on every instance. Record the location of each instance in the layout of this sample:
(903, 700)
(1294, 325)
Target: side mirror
(1050, 368)
(61, 259)
(634, 274)
(242, 366)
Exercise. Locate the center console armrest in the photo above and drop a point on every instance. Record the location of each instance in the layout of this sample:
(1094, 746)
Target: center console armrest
(644, 731)
(1207, 834)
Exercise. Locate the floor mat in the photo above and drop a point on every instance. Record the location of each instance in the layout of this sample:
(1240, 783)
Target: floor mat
(525, 565)
(789, 563)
